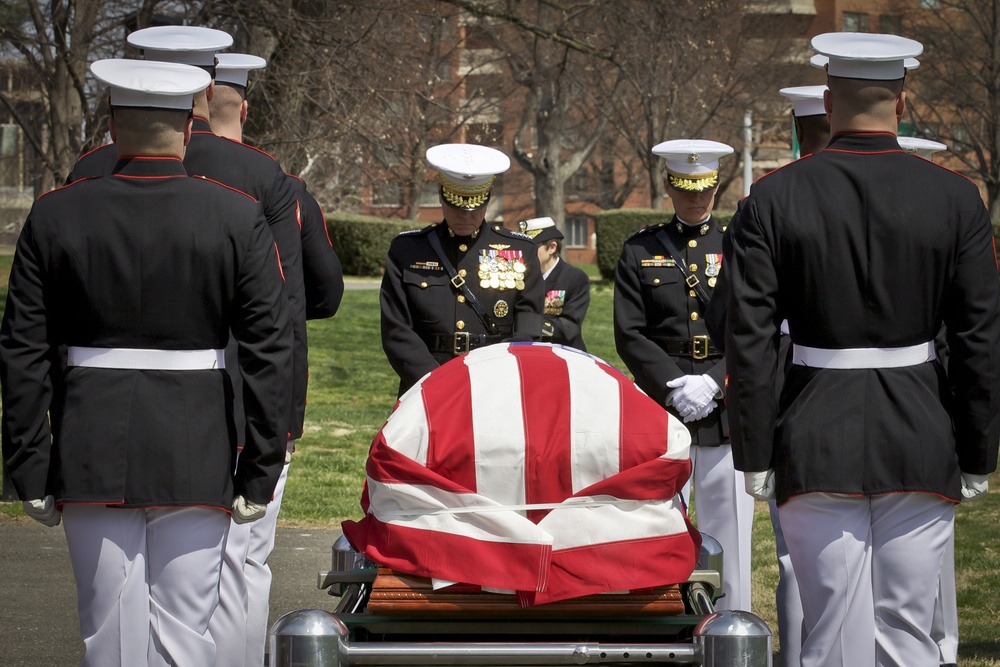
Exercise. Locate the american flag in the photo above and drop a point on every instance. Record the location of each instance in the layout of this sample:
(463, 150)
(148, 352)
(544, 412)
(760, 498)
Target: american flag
(532, 468)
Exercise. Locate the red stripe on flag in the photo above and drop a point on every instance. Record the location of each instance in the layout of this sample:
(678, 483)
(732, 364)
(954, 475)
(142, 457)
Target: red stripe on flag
(388, 466)
(545, 397)
(644, 422)
(617, 566)
(447, 400)
(425, 553)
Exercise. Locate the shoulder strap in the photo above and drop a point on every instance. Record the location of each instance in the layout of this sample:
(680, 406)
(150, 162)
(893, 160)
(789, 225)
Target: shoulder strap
(690, 279)
(460, 284)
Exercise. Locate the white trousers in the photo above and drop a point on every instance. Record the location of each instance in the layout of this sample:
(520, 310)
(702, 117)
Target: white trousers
(867, 568)
(724, 510)
(239, 624)
(147, 582)
(786, 597)
(944, 630)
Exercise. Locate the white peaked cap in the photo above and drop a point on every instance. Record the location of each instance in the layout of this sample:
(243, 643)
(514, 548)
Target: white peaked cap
(820, 61)
(143, 83)
(234, 68)
(806, 100)
(862, 55)
(920, 146)
(692, 164)
(187, 44)
(466, 172)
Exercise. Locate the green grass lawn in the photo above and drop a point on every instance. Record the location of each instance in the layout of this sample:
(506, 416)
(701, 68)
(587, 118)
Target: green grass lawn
(352, 390)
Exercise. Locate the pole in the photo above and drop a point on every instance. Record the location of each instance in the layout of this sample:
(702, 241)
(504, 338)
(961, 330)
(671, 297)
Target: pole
(747, 145)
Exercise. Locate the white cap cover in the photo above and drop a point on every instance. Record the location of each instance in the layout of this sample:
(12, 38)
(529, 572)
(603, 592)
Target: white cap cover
(806, 100)
(466, 172)
(234, 68)
(860, 55)
(820, 61)
(158, 85)
(920, 146)
(540, 229)
(188, 44)
(692, 164)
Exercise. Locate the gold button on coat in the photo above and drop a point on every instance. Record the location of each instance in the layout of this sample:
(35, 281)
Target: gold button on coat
(693, 268)
(656, 281)
(692, 293)
(692, 243)
(463, 247)
(461, 325)
(423, 284)
(462, 272)
(694, 316)
(461, 298)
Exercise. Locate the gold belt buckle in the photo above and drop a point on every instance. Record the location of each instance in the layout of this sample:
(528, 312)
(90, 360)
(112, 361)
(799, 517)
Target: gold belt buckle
(699, 347)
(457, 344)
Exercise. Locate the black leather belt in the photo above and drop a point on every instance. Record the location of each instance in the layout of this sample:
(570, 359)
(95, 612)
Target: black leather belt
(461, 342)
(696, 347)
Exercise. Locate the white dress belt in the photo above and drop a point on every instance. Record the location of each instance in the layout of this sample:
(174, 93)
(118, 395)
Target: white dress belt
(129, 358)
(863, 357)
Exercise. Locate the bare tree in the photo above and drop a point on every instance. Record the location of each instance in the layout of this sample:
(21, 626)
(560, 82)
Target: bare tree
(955, 93)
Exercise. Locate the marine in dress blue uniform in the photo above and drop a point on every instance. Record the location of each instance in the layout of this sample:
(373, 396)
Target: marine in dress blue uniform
(427, 318)
(663, 284)
(944, 631)
(138, 447)
(812, 130)
(239, 624)
(567, 288)
(866, 251)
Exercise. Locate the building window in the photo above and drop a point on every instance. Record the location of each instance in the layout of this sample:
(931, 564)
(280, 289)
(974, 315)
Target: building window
(576, 233)
(855, 22)
(890, 24)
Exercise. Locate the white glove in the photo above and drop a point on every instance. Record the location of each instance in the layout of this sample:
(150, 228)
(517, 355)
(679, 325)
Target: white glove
(246, 511)
(700, 414)
(43, 511)
(760, 485)
(692, 395)
(974, 486)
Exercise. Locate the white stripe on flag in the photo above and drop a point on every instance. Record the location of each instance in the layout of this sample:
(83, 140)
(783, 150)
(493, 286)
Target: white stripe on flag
(498, 427)
(509, 527)
(595, 420)
(406, 430)
(579, 526)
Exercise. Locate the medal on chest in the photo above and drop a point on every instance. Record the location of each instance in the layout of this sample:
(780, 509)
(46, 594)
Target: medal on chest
(554, 300)
(713, 264)
(501, 269)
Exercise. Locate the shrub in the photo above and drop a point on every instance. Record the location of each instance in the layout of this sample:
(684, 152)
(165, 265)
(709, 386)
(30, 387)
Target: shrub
(616, 226)
(362, 241)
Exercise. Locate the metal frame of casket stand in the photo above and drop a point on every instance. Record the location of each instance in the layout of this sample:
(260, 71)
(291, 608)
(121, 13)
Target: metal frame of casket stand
(352, 635)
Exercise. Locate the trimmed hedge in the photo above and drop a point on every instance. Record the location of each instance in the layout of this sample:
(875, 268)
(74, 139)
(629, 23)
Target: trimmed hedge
(362, 241)
(616, 226)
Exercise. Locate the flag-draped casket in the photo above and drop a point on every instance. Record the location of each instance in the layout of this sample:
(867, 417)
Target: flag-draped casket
(532, 468)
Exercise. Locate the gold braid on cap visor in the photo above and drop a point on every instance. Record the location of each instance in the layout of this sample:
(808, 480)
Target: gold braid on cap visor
(463, 196)
(692, 182)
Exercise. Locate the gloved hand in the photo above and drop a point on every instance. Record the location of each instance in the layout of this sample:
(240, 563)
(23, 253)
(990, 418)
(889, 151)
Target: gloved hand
(692, 395)
(700, 414)
(43, 511)
(974, 486)
(246, 511)
(760, 485)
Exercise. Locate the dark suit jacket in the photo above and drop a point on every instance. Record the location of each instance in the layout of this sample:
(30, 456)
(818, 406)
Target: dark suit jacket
(864, 246)
(145, 258)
